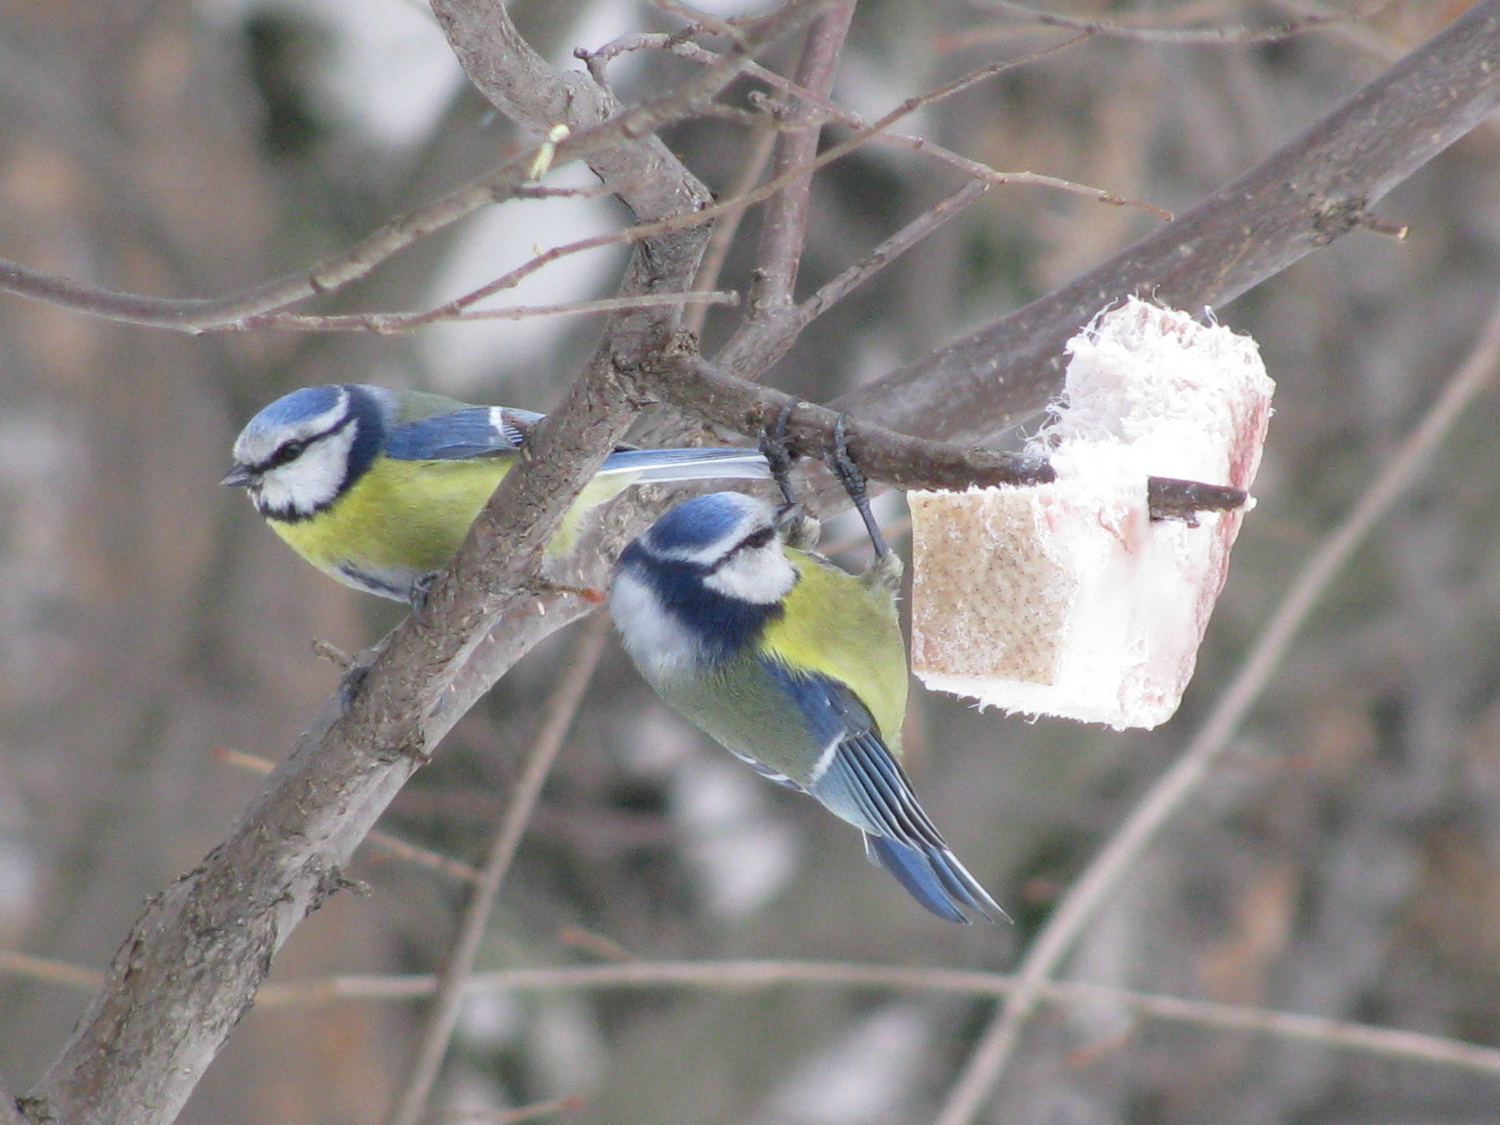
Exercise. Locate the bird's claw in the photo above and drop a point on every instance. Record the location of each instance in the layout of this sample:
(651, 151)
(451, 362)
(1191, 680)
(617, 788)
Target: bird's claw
(774, 447)
(853, 479)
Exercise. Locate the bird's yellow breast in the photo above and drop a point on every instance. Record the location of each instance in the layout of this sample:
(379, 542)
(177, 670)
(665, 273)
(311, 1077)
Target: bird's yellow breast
(403, 520)
(400, 517)
(847, 629)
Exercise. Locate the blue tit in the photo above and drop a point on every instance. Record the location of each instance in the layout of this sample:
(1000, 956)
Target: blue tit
(795, 666)
(378, 487)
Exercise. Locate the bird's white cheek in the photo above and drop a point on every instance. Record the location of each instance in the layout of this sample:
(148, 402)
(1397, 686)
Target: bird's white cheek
(760, 577)
(662, 648)
(313, 480)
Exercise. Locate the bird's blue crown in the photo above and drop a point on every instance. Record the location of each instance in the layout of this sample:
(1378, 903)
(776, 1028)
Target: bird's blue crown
(289, 409)
(703, 522)
(682, 549)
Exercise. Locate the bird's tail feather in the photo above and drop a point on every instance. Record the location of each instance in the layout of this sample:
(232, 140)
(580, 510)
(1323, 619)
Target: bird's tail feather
(934, 877)
(659, 465)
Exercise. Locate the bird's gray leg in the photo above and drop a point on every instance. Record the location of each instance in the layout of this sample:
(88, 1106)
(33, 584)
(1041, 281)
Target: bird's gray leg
(887, 566)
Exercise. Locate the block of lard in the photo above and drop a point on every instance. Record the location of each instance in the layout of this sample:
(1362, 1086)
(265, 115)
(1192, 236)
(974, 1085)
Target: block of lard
(1065, 598)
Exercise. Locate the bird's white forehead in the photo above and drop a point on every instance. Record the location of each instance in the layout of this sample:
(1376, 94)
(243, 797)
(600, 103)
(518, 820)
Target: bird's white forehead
(299, 415)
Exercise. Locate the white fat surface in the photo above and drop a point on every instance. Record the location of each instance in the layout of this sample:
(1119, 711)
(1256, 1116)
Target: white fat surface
(1065, 599)
(312, 480)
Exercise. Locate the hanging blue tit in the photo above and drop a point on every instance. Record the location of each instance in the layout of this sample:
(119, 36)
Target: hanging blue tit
(378, 487)
(795, 666)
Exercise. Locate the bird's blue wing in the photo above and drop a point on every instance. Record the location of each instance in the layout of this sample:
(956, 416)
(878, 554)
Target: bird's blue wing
(476, 431)
(906, 843)
(494, 431)
(861, 781)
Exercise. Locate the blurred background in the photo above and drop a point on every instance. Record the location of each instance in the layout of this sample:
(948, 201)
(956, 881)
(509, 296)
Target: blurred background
(1344, 860)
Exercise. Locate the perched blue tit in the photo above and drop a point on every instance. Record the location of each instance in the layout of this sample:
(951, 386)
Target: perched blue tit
(378, 487)
(795, 666)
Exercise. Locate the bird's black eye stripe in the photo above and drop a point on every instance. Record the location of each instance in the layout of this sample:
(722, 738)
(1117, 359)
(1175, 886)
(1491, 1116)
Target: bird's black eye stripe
(754, 541)
(289, 451)
(758, 538)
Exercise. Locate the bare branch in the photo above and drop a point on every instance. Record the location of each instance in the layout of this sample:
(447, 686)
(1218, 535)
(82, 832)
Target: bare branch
(1122, 855)
(784, 222)
(756, 346)
(392, 324)
(1181, 36)
(259, 306)
(380, 841)
(737, 976)
(993, 176)
(480, 25)
(191, 964)
(742, 975)
(1301, 198)
(884, 455)
(692, 383)
(558, 714)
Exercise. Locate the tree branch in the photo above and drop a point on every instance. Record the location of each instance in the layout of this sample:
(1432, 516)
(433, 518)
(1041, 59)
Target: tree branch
(1123, 852)
(738, 976)
(646, 181)
(1301, 198)
(784, 220)
(191, 964)
(558, 714)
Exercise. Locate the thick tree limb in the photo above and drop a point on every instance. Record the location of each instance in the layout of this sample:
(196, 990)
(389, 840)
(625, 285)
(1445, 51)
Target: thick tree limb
(1301, 198)
(190, 966)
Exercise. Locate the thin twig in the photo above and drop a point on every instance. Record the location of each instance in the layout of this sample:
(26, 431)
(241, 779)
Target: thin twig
(1379, 46)
(784, 220)
(391, 324)
(738, 204)
(742, 975)
(196, 315)
(230, 313)
(758, 152)
(1121, 856)
(974, 168)
(758, 345)
(559, 712)
(1166, 33)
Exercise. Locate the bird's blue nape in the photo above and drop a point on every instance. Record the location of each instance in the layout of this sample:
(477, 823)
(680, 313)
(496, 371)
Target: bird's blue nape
(702, 521)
